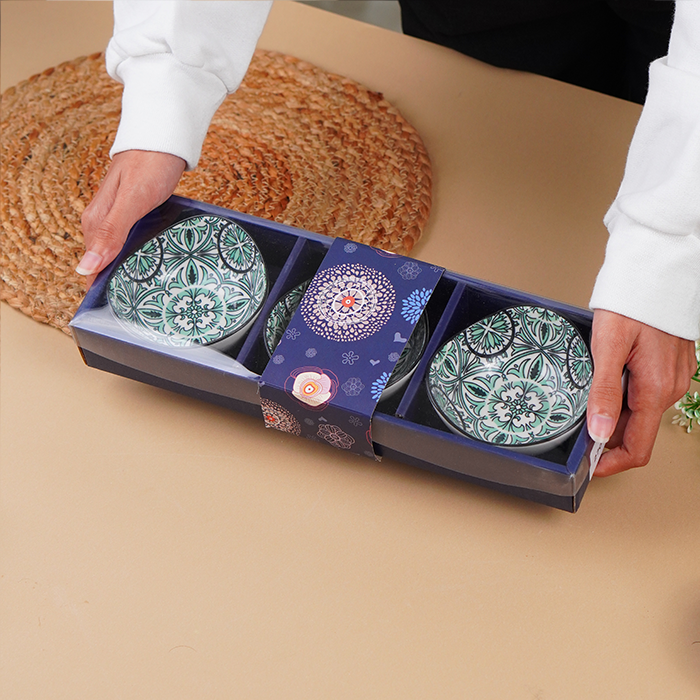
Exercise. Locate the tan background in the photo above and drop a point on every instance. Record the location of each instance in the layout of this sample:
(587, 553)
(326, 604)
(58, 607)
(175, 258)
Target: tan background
(158, 547)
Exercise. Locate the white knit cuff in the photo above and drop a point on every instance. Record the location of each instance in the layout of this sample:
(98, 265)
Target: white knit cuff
(167, 106)
(651, 277)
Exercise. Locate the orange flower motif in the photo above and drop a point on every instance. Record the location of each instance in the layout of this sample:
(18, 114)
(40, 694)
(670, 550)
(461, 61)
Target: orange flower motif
(313, 388)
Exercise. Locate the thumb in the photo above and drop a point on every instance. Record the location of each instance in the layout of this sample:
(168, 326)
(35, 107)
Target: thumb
(136, 183)
(106, 226)
(106, 222)
(105, 244)
(610, 350)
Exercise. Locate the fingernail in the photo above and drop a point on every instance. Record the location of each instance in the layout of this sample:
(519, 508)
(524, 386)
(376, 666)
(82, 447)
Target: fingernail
(89, 264)
(600, 428)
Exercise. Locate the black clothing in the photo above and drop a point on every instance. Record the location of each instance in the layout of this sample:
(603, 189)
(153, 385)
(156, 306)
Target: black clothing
(603, 45)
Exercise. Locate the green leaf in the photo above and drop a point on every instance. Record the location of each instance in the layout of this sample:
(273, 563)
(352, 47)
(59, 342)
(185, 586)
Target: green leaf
(536, 368)
(479, 391)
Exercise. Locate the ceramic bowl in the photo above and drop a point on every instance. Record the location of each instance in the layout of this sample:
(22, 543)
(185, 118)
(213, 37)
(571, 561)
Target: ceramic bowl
(200, 282)
(284, 309)
(518, 379)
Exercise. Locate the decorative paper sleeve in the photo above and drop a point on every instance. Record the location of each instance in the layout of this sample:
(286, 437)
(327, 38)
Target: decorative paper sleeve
(178, 59)
(652, 264)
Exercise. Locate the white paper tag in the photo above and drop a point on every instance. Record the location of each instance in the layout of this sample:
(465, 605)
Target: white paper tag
(596, 451)
(598, 447)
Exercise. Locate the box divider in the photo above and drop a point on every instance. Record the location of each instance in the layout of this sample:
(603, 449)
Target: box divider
(272, 297)
(435, 337)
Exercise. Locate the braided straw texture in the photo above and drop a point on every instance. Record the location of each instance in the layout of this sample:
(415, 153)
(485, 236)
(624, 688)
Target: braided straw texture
(294, 144)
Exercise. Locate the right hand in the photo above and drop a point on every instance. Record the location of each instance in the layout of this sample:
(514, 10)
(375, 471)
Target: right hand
(660, 367)
(136, 183)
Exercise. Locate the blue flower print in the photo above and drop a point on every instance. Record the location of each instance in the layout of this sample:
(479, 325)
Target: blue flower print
(349, 358)
(354, 420)
(311, 352)
(292, 334)
(350, 248)
(412, 306)
(378, 385)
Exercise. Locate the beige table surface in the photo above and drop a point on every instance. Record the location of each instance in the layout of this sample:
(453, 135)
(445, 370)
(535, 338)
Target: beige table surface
(157, 547)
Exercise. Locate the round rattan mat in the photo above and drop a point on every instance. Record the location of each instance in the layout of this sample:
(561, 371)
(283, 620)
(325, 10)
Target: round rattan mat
(294, 144)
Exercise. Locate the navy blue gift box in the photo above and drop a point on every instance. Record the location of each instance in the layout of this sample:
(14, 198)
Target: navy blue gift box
(404, 426)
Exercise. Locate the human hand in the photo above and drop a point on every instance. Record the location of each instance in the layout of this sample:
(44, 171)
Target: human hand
(136, 183)
(660, 367)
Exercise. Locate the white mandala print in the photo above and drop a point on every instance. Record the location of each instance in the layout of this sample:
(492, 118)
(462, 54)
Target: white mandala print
(348, 302)
(280, 418)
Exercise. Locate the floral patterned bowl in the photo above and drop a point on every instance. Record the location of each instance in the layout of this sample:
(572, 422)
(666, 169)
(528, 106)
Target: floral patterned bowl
(282, 312)
(518, 379)
(280, 316)
(200, 282)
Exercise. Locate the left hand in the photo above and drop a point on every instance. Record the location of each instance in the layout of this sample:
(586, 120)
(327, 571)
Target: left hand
(136, 183)
(660, 368)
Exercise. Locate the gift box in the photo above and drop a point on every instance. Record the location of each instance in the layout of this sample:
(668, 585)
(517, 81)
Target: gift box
(402, 424)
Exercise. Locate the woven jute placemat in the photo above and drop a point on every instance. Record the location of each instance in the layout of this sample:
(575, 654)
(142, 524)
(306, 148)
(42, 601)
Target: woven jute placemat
(295, 144)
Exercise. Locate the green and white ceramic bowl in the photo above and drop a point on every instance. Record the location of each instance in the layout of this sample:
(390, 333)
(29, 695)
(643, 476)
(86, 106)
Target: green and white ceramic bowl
(518, 379)
(282, 312)
(280, 316)
(200, 282)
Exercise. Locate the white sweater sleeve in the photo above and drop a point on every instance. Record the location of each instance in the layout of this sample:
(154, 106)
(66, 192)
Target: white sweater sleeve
(178, 59)
(652, 264)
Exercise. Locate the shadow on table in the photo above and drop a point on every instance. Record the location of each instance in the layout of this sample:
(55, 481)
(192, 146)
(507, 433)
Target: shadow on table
(685, 633)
